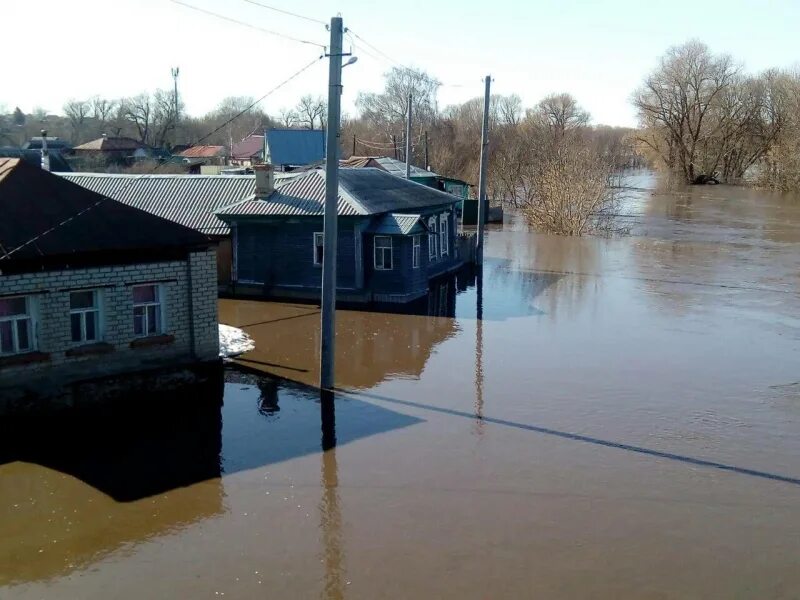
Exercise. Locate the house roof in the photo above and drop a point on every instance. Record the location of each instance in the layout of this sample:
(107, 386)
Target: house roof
(53, 143)
(204, 151)
(45, 216)
(363, 192)
(397, 224)
(296, 147)
(34, 157)
(111, 144)
(189, 200)
(250, 146)
(390, 165)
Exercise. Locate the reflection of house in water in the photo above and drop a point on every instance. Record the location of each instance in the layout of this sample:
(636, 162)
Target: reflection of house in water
(73, 490)
(89, 482)
(371, 346)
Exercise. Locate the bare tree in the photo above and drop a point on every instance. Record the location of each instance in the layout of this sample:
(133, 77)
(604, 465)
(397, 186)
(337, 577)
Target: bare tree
(288, 118)
(102, 109)
(679, 107)
(560, 113)
(77, 111)
(139, 111)
(310, 110)
(387, 110)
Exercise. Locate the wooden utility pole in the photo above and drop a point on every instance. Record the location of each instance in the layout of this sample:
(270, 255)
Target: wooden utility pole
(394, 142)
(482, 175)
(408, 139)
(354, 145)
(330, 233)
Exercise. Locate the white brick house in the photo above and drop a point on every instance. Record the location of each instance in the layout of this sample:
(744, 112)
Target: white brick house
(114, 290)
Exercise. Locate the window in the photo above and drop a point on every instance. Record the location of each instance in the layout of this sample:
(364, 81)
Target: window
(84, 316)
(432, 236)
(383, 252)
(147, 318)
(16, 325)
(416, 251)
(319, 241)
(443, 233)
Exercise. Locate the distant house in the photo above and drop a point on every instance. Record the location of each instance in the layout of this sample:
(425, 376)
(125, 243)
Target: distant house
(249, 151)
(288, 149)
(34, 157)
(210, 155)
(53, 143)
(395, 236)
(91, 288)
(451, 185)
(189, 200)
(114, 150)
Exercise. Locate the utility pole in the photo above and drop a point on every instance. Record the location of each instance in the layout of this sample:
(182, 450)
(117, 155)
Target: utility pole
(354, 144)
(427, 164)
(175, 72)
(408, 139)
(394, 142)
(482, 176)
(330, 234)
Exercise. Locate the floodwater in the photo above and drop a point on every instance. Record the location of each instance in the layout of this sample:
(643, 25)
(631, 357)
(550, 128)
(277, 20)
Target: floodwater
(622, 421)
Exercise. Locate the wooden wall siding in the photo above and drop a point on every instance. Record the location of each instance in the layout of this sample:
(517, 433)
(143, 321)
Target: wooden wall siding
(282, 254)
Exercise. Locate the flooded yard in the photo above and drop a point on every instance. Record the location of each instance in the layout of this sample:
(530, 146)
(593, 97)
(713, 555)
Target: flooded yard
(593, 418)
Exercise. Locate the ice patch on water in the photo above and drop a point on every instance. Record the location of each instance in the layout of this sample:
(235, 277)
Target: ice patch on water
(233, 341)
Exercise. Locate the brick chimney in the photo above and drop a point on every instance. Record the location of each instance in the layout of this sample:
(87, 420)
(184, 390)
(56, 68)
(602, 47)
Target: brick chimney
(45, 153)
(265, 181)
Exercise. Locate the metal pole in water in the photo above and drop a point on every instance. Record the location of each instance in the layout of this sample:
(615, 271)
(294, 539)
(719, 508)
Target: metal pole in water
(330, 234)
(482, 176)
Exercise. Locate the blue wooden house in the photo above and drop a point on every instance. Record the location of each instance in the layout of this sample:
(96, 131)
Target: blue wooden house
(395, 236)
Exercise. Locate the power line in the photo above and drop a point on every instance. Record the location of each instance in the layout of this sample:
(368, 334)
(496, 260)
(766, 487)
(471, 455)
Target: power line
(380, 56)
(158, 166)
(285, 12)
(250, 25)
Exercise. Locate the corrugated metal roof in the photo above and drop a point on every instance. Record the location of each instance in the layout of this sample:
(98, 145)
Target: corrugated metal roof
(44, 215)
(250, 146)
(397, 224)
(296, 147)
(388, 164)
(361, 192)
(186, 199)
(203, 151)
(111, 144)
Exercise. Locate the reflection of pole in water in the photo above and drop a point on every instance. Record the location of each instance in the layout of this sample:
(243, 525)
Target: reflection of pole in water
(330, 514)
(479, 354)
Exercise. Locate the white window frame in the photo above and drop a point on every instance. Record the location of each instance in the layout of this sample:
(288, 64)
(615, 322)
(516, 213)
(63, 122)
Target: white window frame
(444, 232)
(416, 251)
(97, 308)
(383, 266)
(433, 236)
(28, 316)
(161, 325)
(321, 236)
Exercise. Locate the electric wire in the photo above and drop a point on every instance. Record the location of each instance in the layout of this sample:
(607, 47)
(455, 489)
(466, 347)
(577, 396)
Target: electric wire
(250, 25)
(285, 12)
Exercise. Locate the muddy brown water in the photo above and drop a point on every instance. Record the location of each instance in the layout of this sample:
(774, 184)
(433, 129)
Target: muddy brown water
(622, 422)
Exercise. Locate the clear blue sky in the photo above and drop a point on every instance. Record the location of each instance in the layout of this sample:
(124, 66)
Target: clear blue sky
(597, 50)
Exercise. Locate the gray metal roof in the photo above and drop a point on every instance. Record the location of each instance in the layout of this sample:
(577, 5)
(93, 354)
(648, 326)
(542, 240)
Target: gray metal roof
(366, 191)
(397, 224)
(398, 167)
(186, 199)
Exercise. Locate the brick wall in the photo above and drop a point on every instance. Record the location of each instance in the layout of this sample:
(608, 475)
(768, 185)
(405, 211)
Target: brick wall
(189, 307)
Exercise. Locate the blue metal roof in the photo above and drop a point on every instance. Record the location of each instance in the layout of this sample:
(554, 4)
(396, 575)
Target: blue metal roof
(295, 147)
